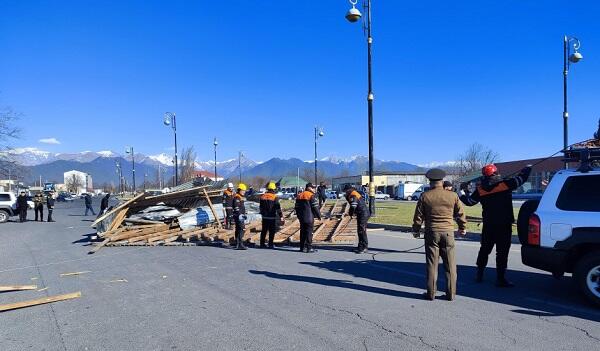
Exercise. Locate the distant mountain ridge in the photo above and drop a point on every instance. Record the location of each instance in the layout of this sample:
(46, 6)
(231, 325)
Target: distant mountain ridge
(102, 166)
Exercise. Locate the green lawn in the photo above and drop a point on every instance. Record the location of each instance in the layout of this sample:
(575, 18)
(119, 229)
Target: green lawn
(402, 212)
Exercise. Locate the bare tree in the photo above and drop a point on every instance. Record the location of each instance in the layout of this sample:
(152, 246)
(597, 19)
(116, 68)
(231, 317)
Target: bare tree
(73, 183)
(187, 169)
(474, 158)
(8, 131)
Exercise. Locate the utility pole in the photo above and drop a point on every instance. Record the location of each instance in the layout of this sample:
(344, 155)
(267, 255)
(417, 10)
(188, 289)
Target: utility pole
(240, 164)
(318, 133)
(215, 143)
(568, 58)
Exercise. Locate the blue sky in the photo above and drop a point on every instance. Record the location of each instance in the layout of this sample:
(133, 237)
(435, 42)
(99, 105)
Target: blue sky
(258, 75)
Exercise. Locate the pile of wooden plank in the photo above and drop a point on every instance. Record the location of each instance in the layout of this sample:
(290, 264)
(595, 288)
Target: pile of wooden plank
(115, 229)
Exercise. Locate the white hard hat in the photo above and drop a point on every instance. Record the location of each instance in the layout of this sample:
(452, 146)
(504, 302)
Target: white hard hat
(230, 185)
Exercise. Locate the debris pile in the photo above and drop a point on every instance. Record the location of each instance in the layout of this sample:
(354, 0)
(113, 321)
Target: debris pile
(193, 215)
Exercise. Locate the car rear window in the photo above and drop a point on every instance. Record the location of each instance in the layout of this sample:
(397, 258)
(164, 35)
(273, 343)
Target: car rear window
(580, 193)
(4, 197)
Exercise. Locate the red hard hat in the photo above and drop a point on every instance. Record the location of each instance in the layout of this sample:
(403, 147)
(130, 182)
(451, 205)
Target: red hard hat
(489, 170)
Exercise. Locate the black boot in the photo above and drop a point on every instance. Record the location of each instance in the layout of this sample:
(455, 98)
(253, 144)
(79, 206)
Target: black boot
(479, 276)
(501, 280)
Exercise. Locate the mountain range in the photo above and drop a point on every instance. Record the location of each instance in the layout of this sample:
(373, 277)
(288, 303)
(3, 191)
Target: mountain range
(102, 166)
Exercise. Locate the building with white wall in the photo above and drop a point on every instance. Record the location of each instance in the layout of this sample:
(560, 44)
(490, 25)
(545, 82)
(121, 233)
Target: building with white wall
(83, 181)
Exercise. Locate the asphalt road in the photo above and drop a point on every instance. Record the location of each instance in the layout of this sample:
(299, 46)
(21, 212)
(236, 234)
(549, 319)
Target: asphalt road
(215, 298)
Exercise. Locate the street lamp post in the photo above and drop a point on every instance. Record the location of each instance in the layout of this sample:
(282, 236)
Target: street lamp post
(318, 134)
(240, 155)
(129, 150)
(170, 120)
(120, 173)
(215, 143)
(568, 58)
(354, 15)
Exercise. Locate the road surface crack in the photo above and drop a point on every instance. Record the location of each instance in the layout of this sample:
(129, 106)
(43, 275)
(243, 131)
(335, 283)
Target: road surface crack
(584, 331)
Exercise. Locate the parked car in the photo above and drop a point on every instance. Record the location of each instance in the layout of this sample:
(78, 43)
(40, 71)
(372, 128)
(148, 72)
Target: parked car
(381, 196)
(417, 194)
(405, 190)
(561, 232)
(8, 206)
(332, 194)
(286, 195)
(64, 197)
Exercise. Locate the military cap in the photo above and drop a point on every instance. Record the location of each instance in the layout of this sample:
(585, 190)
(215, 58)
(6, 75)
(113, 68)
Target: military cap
(435, 174)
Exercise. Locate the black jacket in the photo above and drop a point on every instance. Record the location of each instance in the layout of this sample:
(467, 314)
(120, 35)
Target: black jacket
(321, 192)
(228, 199)
(238, 205)
(104, 203)
(22, 202)
(88, 199)
(307, 207)
(270, 208)
(495, 195)
(358, 206)
(50, 202)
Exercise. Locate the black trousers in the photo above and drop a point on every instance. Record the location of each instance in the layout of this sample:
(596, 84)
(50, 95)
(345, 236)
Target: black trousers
(22, 214)
(39, 209)
(361, 229)
(268, 226)
(229, 217)
(321, 201)
(306, 235)
(501, 237)
(50, 215)
(239, 232)
(89, 208)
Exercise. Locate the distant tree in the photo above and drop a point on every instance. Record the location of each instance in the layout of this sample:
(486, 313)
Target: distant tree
(474, 158)
(187, 167)
(8, 132)
(257, 182)
(73, 183)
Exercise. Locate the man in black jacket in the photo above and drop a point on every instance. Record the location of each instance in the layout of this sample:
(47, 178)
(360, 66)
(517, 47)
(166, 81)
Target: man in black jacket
(88, 204)
(104, 204)
(239, 216)
(358, 208)
(50, 205)
(322, 193)
(307, 208)
(271, 213)
(495, 195)
(22, 206)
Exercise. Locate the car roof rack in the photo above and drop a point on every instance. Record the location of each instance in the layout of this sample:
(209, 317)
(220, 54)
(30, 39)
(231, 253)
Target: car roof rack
(586, 156)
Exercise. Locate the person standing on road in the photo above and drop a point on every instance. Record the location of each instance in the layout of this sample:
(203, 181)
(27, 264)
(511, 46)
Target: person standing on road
(307, 208)
(38, 206)
(50, 205)
(22, 206)
(438, 209)
(495, 195)
(88, 204)
(228, 205)
(104, 204)
(322, 193)
(271, 213)
(358, 208)
(239, 215)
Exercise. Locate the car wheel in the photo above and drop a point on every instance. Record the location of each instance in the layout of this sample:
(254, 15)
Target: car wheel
(4, 216)
(527, 209)
(409, 198)
(587, 276)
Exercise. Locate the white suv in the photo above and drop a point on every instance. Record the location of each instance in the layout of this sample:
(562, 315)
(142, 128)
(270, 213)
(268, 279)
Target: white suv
(561, 232)
(8, 206)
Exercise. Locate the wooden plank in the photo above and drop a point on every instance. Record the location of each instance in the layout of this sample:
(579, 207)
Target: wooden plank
(17, 287)
(41, 301)
(118, 208)
(148, 236)
(212, 209)
(141, 221)
(99, 246)
(116, 223)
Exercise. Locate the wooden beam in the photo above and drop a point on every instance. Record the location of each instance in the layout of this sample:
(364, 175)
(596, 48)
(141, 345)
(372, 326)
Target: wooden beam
(18, 287)
(99, 246)
(41, 301)
(212, 209)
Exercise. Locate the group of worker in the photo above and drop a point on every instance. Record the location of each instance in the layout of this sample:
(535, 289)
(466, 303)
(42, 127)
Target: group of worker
(307, 207)
(38, 206)
(438, 209)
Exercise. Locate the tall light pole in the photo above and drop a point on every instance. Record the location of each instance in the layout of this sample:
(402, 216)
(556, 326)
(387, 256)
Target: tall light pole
(170, 120)
(129, 150)
(215, 143)
(352, 16)
(318, 134)
(120, 173)
(568, 58)
(240, 155)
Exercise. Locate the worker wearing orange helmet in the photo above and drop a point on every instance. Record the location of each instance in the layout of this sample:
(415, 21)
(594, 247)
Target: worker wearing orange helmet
(495, 195)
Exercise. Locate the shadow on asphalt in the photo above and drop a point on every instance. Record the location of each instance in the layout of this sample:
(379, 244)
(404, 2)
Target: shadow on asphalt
(529, 296)
(85, 239)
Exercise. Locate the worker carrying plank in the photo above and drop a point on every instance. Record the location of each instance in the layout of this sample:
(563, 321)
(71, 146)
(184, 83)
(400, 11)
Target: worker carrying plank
(228, 205)
(358, 208)
(239, 215)
(270, 210)
(307, 208)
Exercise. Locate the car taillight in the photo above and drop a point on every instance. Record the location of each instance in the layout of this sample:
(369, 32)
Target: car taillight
(533, 235)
